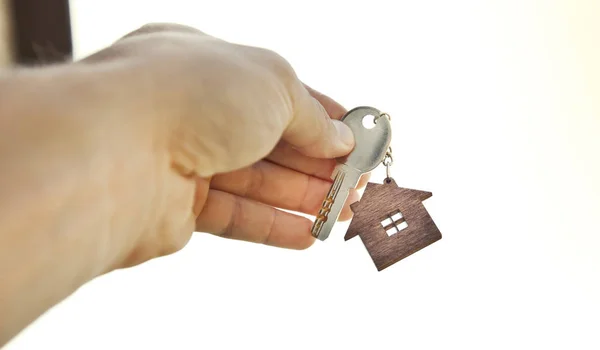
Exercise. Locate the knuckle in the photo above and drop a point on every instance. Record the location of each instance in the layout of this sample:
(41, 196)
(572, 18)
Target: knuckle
(255, 180)
(155, 27)
(160, 27)
(168, 27)
(270, 227)
(229, 230)
(277, 63)
(149, 28)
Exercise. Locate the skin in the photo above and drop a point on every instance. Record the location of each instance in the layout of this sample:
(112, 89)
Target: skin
(118, 158)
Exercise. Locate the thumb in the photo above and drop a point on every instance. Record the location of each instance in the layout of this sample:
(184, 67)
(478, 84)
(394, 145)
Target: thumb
(313, 132)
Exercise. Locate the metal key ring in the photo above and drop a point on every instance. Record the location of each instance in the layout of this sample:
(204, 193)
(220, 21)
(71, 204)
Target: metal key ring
(382, 115)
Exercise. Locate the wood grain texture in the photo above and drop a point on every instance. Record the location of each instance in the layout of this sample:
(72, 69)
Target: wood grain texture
(379, 202)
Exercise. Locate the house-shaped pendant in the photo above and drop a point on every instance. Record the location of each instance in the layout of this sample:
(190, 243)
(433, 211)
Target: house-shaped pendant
(392, 222)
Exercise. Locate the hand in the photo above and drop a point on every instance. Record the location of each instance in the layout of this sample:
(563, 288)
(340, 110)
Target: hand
(245, 136)
(242, 204)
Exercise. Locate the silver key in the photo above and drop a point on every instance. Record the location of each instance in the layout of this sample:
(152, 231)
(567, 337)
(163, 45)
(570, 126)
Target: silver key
(371, 145)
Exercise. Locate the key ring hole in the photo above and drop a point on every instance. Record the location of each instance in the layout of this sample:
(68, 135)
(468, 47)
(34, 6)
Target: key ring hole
(368, 121)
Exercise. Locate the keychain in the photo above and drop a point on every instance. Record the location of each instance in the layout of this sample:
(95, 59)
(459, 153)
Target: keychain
(391, 221)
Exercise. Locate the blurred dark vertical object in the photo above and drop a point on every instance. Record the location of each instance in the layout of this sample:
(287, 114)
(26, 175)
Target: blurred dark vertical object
(41, 31)
(6, 37)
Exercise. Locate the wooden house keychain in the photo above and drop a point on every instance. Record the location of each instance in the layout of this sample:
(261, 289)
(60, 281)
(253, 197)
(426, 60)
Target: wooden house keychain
(391, 221)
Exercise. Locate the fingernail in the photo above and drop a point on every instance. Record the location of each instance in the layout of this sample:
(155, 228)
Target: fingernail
(346, 137)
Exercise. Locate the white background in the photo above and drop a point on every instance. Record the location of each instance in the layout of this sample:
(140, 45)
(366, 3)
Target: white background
(496, 110)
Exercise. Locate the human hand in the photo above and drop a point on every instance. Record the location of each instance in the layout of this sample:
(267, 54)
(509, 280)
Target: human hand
(243, 137)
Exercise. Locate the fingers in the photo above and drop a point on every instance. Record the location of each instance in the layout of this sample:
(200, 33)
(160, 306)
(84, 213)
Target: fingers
(285, 155)
(231, 216)
(280, 187)
(312, 131)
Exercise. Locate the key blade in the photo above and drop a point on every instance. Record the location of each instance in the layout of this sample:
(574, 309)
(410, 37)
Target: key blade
(370, 148)
(345, 178)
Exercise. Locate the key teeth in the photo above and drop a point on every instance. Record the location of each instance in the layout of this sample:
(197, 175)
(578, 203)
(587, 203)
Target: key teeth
(324, 213)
